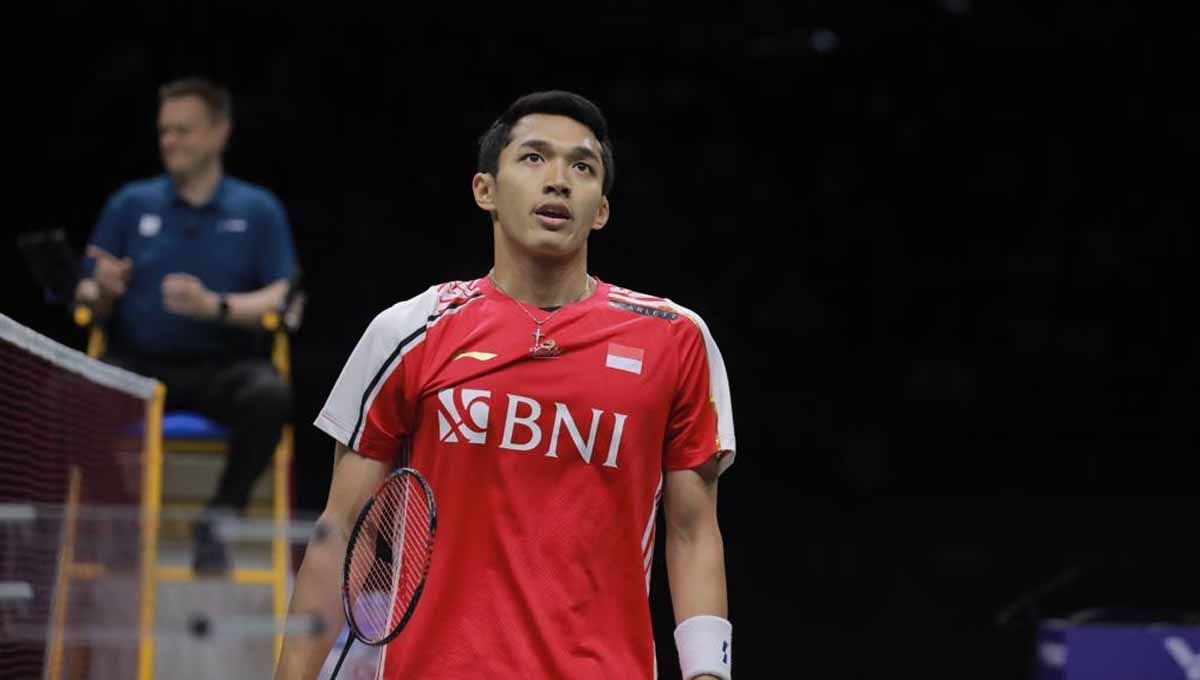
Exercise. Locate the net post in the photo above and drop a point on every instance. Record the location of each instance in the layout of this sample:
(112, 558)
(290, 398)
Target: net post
(279, 545)
(151, 500)
(62, 586)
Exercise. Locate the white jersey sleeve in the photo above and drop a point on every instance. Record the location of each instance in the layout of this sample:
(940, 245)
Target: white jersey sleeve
(370, 408)
(719, 392)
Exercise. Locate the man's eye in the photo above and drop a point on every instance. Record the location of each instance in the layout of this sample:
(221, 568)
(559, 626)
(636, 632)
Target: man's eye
(532, 157)
(584, 167)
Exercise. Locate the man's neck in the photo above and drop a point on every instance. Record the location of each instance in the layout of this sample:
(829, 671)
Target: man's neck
(199, 188)
(543, 284)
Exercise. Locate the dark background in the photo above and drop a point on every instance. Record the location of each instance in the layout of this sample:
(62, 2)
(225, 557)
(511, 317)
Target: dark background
(943, 247)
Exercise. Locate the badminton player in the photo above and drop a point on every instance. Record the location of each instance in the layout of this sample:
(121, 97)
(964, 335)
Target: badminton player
(550, 412)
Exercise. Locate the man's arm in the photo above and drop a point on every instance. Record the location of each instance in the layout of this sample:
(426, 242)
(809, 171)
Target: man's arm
(318, 589)
(107, 283)
(695, 553)
(186, 295)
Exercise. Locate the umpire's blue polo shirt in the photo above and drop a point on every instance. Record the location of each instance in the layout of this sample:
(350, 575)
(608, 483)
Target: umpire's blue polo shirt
(239, 241)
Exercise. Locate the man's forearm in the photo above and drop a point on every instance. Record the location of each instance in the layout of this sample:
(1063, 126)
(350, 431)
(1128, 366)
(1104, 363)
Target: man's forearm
(696, 571)
(317, 593)
(247, 309)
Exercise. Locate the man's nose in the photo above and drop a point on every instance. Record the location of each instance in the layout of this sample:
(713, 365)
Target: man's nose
(556, 180)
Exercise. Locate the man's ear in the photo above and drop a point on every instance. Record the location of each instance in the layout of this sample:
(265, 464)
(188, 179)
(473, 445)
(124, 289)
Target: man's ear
(483, 185)
(224, 130)
(601, 215)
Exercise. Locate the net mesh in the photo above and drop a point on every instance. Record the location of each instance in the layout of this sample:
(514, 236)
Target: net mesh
(70, 489)
(389, 558)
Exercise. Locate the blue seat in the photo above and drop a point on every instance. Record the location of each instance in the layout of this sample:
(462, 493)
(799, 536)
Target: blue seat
(191, 425)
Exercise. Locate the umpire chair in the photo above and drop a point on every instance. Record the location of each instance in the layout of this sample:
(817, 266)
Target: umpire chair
(191, 436)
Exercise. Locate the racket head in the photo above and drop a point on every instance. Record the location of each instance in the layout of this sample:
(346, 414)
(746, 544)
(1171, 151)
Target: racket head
(388, 557)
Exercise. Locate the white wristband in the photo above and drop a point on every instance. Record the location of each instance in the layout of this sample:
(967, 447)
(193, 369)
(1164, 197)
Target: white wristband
(705, 646)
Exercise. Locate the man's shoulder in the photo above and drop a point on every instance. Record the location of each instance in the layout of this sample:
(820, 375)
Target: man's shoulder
(651, 306)
(244, 192)
(681, 320)
(429, 305)
(455, 293)
(146, 191)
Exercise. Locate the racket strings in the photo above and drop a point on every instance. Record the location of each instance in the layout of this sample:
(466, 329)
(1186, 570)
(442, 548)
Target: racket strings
(389, 558)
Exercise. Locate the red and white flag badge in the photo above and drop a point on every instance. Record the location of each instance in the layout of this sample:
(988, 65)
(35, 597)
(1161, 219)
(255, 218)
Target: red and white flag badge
(624, 358)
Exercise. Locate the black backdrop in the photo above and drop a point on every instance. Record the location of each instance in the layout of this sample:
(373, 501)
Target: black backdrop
(943, 248)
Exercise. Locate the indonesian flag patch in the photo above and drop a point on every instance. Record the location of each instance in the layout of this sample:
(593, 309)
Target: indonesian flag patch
(624, 358)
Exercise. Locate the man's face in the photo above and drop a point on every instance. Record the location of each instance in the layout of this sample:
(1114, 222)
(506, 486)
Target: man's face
(546, 195)
(189, 137)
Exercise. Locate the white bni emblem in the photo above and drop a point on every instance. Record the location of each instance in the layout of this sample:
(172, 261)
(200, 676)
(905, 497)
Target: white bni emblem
(149, 225)
(234, 225)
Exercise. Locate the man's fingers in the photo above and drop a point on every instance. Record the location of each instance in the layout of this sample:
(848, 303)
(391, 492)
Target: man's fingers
(96, 251)
(112, 272)
(103, 255)
(88, 291)
(112, 284)
(180, 281)
(176, 284)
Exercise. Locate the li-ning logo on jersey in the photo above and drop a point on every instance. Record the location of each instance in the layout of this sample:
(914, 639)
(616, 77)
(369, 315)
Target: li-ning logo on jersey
(463, 417)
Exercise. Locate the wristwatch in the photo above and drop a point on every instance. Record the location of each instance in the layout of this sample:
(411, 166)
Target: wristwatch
(222, 308)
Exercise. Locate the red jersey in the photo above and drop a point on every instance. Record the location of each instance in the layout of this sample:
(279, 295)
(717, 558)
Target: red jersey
(547, 472)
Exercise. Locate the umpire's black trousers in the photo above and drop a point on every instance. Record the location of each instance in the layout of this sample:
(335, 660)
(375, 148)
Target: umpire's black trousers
(247, 395)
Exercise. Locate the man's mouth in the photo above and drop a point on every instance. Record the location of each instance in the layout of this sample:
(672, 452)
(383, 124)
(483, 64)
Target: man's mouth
(553, 214)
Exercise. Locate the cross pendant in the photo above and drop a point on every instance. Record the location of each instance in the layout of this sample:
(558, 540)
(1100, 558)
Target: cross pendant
(543, 349)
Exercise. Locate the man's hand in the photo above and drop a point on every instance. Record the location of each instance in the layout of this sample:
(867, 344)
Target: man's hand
(185, 295)
(111, 274)
(88, 292)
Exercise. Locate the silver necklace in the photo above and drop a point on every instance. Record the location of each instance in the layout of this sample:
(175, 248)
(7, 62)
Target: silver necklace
(545, 348)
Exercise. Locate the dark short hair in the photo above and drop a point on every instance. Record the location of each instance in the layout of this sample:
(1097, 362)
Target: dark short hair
(553, 102)
(216, 97)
